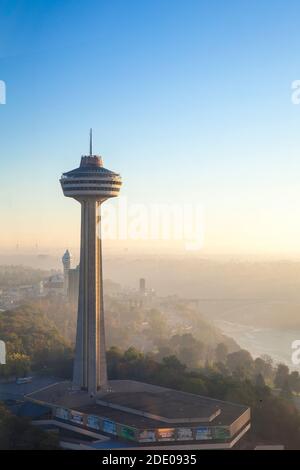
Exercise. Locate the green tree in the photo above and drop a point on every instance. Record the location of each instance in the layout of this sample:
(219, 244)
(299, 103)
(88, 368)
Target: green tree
(17, 434)
(32, 340)
(240, 363)
(17, 364)
(221, 352)
(286, 390)
(260, 381)
(294, 381)
(282, 375)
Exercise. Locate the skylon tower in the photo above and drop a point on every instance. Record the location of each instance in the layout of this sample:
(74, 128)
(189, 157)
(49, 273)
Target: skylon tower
(90, 184)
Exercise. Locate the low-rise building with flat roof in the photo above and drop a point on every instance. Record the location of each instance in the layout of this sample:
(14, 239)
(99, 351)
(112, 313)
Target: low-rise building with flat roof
(146, 414)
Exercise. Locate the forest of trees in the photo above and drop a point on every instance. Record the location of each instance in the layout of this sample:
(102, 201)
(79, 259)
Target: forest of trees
(33, 343)
(18, 434)
(36, 341)
(147, 329)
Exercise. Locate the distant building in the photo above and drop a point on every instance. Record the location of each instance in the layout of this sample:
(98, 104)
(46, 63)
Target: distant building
(142, 285)
(73, 285)
(67, 261)
(54, 285)
(71, 278)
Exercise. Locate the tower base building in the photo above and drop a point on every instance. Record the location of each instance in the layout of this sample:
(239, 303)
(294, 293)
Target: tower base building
(144, 415)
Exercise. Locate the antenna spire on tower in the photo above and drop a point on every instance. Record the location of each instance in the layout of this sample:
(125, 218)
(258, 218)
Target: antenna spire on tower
(91, 142)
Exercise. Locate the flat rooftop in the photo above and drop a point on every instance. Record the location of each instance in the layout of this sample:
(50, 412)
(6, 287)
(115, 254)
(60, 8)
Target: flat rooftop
(169, 406)
(15, 391)
(142, 405)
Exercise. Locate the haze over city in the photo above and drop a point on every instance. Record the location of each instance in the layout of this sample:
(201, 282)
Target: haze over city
(172, 108)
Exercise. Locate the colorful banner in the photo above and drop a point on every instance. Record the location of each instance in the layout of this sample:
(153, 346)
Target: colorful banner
(221, 432)
(184, 434)
(93, 422)
(62, 413)
(109, 426)
(127, 433)
(203, 433)
(147, 436)
(166, 434)
(76, 417)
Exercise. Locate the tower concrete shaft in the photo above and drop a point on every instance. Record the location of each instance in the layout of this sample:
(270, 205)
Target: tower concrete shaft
(90, 371)
(91, 184)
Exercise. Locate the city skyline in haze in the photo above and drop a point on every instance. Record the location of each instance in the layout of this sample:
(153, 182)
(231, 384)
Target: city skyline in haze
(190, 101)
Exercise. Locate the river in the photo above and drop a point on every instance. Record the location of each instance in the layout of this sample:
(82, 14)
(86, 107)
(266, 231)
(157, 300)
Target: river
(258, 341)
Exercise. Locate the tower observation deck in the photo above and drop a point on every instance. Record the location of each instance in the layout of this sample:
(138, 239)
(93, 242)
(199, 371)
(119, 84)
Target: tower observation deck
(90, 184)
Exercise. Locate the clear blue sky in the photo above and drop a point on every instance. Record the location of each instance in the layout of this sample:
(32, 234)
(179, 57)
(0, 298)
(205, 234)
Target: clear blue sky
(189, 100)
